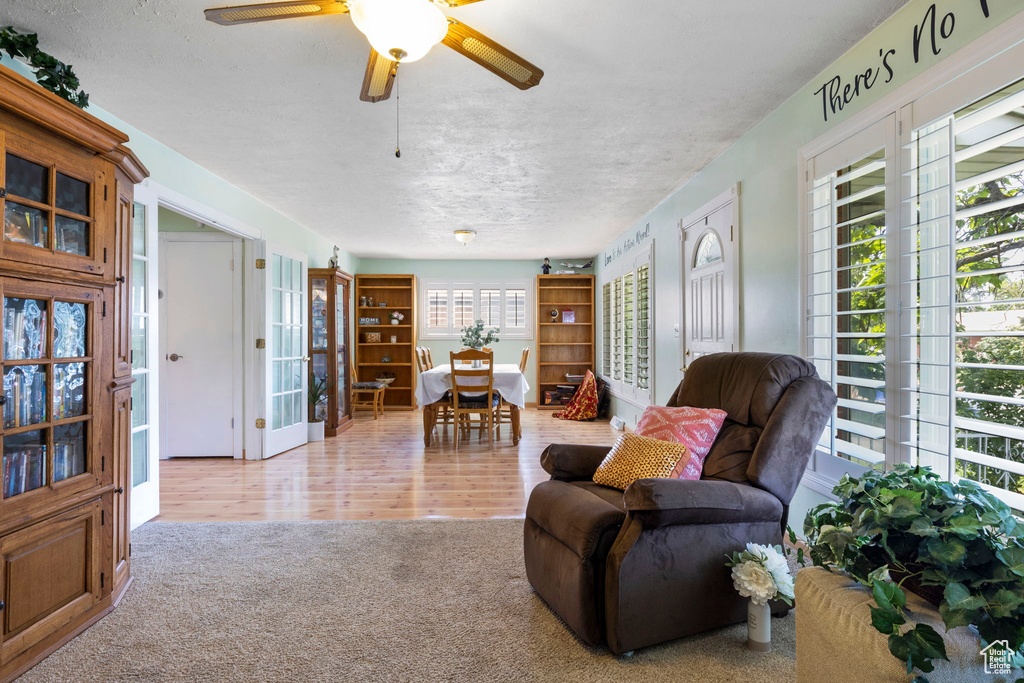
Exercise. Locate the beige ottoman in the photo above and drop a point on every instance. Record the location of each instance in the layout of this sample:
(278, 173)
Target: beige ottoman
(835, 640)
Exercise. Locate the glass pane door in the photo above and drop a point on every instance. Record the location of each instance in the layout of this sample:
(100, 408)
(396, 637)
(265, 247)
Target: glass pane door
(286, 328)
(145, 498)
(341, 337)
(47, 373)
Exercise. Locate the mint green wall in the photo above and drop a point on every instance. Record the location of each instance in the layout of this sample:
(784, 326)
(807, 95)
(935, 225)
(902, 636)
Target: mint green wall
(764, 163)
(178, 173)
(505, 351)
(172, 221)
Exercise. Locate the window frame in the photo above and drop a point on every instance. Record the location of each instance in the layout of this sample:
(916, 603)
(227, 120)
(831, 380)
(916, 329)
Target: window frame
(453, 331)
(980, 69)
(617, 385)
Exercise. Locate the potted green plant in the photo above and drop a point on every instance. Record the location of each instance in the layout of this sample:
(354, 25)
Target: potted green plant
(473, 337)
(956, 545)
(316, 395)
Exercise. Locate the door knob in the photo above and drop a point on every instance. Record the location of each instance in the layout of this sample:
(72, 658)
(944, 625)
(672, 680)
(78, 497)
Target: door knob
(174, 357)
(687, 352)
(305, 359)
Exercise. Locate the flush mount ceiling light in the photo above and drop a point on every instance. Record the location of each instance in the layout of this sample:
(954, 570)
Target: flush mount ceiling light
(465, 236)
(399, 31)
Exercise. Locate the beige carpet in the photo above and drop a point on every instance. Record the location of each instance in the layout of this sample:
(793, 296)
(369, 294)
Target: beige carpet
(365, 601)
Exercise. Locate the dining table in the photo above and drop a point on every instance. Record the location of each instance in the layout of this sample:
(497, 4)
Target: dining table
(509, 382)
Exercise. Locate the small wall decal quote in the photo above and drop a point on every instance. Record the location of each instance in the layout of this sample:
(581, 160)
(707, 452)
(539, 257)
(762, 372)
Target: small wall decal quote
(929, 34)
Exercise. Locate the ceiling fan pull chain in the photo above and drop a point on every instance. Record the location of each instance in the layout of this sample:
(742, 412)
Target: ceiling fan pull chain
(398, 116)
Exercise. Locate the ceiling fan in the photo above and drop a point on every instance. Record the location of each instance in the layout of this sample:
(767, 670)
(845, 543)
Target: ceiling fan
(399, 31)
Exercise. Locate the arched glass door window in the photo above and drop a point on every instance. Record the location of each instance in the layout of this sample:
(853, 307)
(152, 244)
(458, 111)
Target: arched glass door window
(708, 251)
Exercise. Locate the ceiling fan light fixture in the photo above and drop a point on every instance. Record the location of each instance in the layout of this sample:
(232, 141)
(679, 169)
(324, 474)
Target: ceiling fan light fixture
(465, 236)
(405, 30)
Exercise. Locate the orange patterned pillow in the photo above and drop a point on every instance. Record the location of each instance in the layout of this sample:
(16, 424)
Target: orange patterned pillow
(696, 428)
(638, 457)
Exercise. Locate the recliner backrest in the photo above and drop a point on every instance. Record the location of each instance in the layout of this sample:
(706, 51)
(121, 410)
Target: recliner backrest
(777, 408)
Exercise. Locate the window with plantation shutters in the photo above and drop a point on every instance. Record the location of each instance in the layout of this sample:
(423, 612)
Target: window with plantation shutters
(914, 283)
(626, 325)
(847, 295)
(454, 305)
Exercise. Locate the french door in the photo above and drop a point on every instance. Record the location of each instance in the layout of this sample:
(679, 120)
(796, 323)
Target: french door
(286, 356)
(145, 475)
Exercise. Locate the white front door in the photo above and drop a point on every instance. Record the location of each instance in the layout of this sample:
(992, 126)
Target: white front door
(711, 313)
(286, 408)
(201, 345)
(145, 463)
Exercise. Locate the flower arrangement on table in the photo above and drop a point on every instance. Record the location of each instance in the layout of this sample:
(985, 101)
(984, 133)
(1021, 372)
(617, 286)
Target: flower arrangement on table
(473, 337)
(396, 317)
(761, 573)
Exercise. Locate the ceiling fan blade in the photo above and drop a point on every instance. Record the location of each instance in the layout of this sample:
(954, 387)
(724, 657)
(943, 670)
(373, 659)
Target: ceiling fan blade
(459, 3)
(492, 56)
(271, 11)
(380, 76)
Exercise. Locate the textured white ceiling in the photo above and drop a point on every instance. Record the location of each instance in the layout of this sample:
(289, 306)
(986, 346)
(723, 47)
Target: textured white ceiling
(636, 98)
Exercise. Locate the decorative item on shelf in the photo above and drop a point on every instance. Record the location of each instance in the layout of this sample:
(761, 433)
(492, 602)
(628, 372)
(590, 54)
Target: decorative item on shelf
(317, 397)
(382, 304)
(761, 573)
(394, 339)
(369, 301)
(385, 359)
(396, 317)
(54, 75)
(565, 272)
(333, 261)
(369, 321)
(588, 264)
(362, 301)
(546, 267)
(385, 378)
(372, 337)
(554, 315)
(465, 236)
(568, 316)
(956, 545)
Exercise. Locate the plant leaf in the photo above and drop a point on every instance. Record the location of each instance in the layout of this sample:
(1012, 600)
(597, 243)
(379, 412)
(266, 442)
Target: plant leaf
(950, 553)
(1013, 558)
(886, 620)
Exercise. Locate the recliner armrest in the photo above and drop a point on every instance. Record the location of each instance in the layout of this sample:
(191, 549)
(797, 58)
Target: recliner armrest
(569, 462)
(661, 502)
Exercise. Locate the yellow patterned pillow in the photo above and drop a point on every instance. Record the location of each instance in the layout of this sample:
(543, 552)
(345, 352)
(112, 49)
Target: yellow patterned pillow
(639, 457)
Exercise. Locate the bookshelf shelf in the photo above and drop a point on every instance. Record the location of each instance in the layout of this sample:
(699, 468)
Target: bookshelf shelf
(563, 347)
(399, 291)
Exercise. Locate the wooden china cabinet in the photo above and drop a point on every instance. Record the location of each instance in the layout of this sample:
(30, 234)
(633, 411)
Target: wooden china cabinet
(66, 184)
(329, 294)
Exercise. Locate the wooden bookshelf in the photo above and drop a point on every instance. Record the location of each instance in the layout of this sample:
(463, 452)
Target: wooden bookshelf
(563, 347)
(399, 292)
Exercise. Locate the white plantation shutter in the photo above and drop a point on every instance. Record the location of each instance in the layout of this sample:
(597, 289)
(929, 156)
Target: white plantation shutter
(627, 325)
(451, 306)
(848, 316)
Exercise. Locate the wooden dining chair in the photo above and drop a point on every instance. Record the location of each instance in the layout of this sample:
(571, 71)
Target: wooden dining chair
(505, 409)
(485, 350)
(444, 405)
(421, 360)
(470, 399)
(375, 391)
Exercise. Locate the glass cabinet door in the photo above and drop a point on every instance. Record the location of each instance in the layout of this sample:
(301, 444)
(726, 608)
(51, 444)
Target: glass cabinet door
(50, 203)
(318, 329)
(341, 336)
(47, 370)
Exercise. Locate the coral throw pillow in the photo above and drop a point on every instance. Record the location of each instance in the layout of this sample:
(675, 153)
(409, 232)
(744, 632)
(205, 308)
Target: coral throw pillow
(583, 405)
(695, 428)
(637, 457)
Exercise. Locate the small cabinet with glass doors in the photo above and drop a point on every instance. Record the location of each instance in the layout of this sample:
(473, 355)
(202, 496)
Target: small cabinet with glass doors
(329, 292)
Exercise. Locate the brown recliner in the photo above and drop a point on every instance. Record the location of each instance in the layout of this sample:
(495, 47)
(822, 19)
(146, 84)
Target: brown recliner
(647, 565)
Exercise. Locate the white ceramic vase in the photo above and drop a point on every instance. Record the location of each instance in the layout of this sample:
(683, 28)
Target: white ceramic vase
(394, 322)
(759, 627)
(315, 431)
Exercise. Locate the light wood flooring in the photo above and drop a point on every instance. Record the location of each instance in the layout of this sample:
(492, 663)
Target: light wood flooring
(375, 470)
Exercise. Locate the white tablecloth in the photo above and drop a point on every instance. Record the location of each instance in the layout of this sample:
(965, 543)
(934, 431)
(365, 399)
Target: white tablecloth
(508, 381)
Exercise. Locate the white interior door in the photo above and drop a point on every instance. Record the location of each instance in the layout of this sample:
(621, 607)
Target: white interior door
(145, 463)
(201, 334)
(286, 363)
(709, 264)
